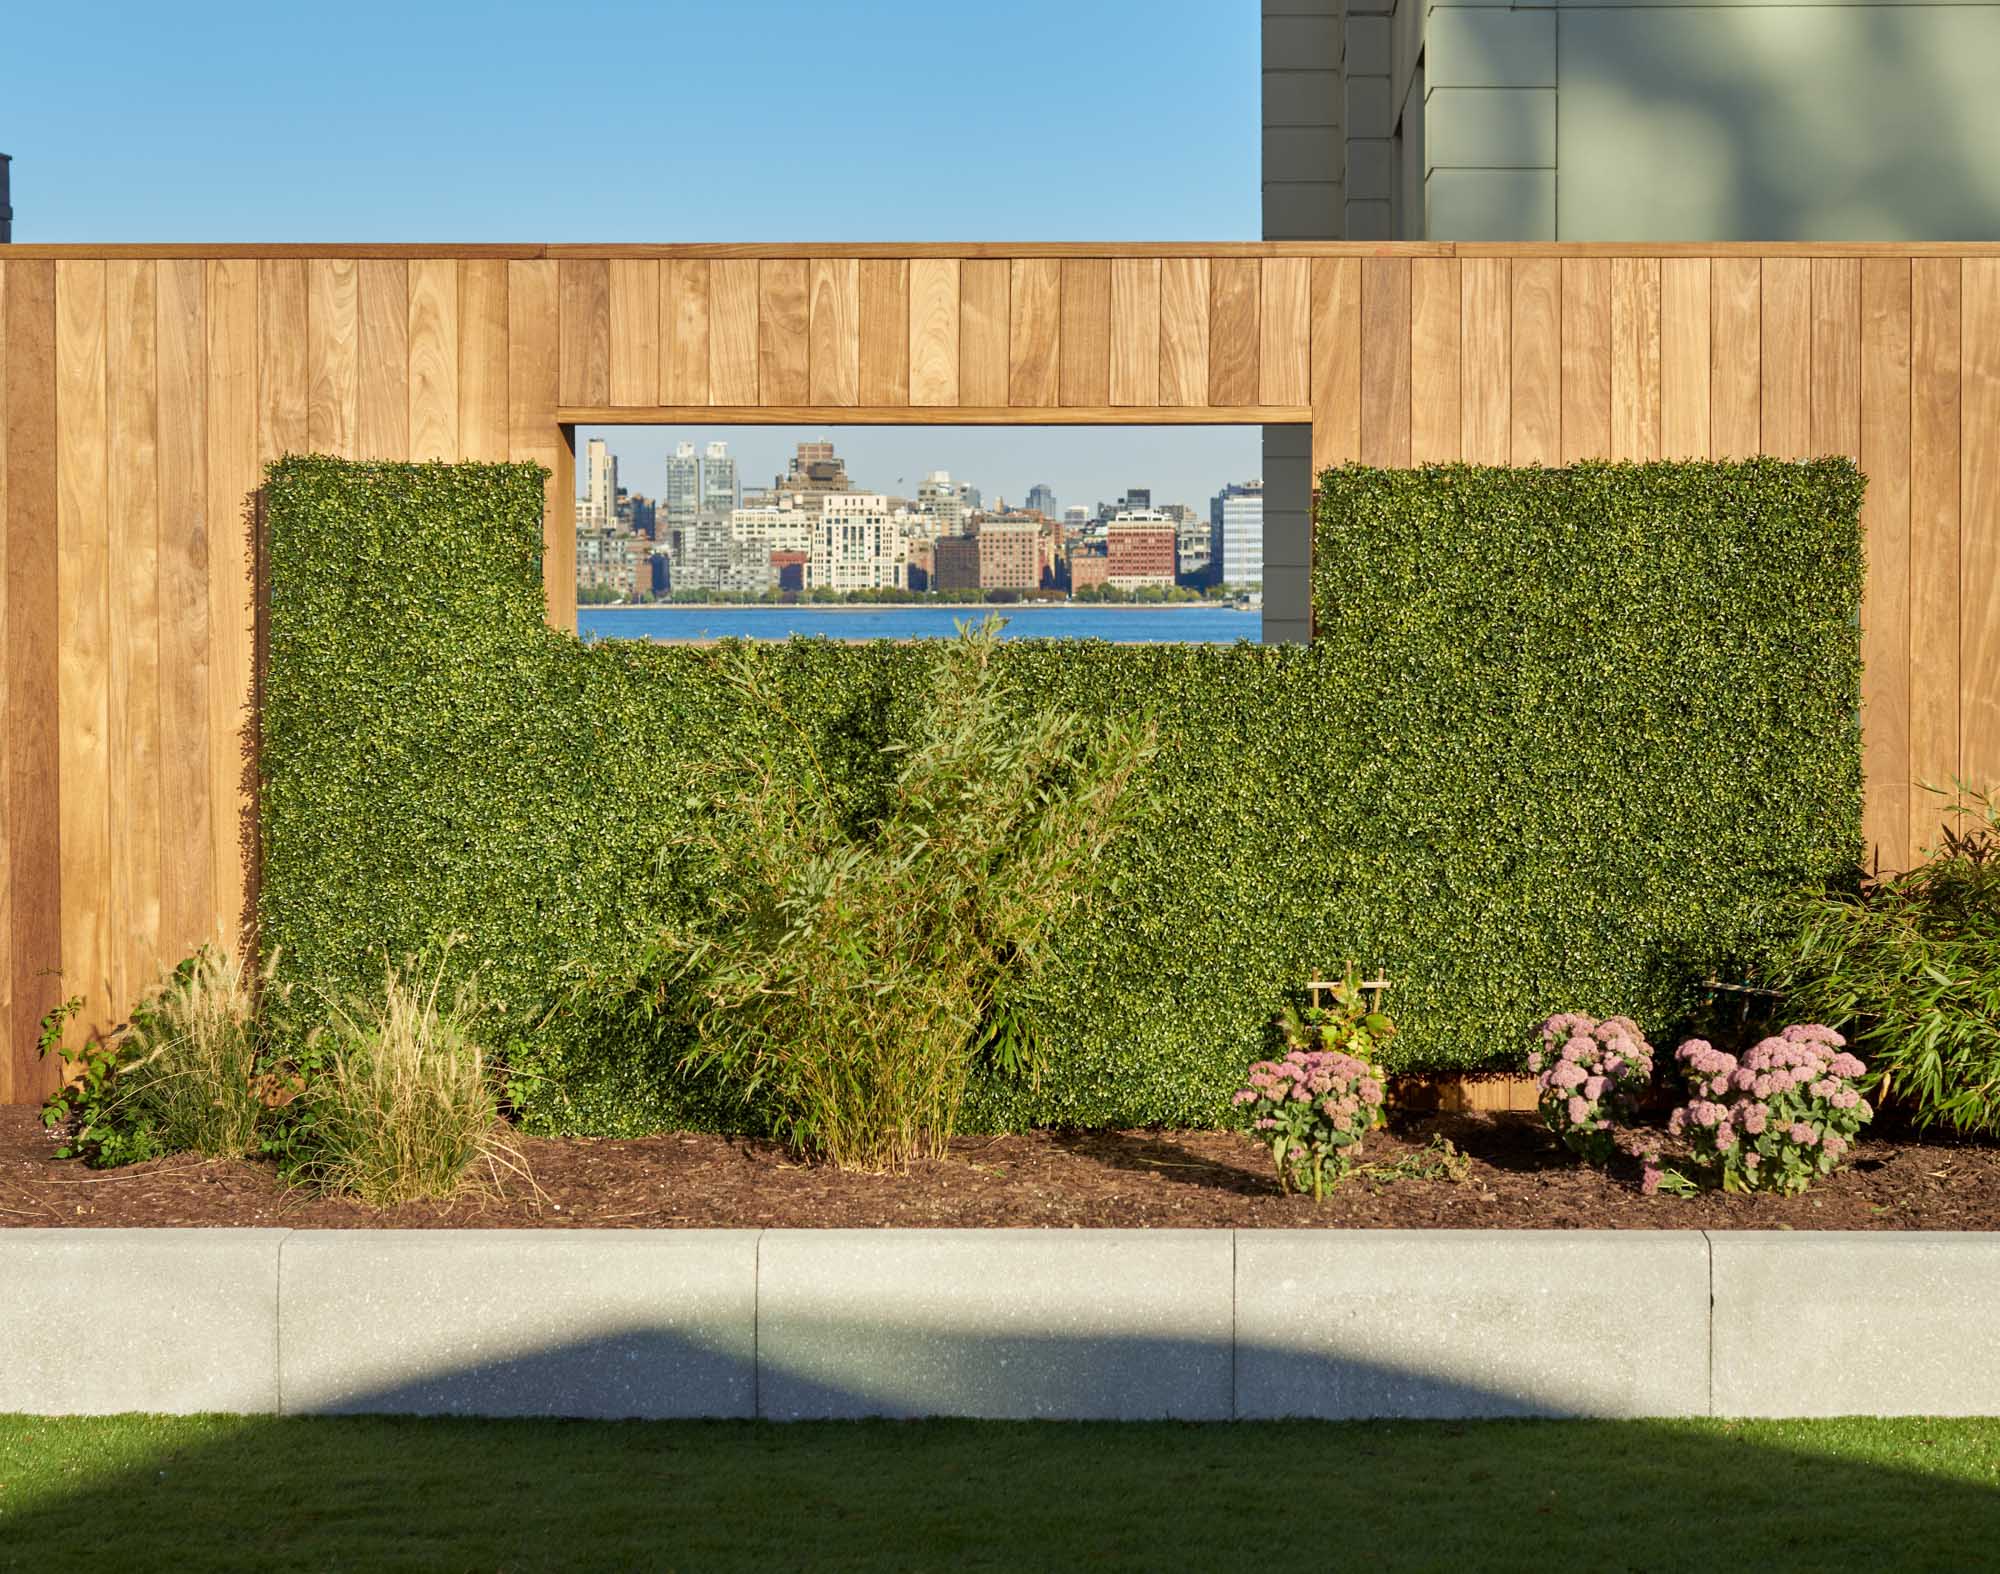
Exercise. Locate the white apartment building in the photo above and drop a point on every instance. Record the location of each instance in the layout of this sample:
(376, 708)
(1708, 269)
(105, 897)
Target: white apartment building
(1238, 517)
(682, 498)
(597, 509)
(857, 544)
(718, 480)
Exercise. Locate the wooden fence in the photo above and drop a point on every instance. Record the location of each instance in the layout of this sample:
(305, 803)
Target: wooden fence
(144, 388)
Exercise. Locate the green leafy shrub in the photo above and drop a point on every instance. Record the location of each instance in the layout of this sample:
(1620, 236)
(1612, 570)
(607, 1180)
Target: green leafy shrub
(1910, 965)
(849, 954)
(403, 1104)
(1563, 739)
(1313, 1106)
(182, 1076)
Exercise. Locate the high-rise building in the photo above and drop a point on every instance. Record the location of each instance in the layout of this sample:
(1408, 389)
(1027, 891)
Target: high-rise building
(1140, 546)
(942, 503)
(682, 500)
(1236, 535)
(718, 480)
(857, 545)
(955, 563)
(1010, 553)
(1042, 500)
(598, 507)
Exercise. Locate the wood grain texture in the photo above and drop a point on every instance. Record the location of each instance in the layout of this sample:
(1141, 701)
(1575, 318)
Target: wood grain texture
(1535, 427)
(732, 332)
(885, 332)
(433, 349)
(83, 601)
(684, 314)
(834, 331)
(132, 501)
(1834, 419)
(1385, 361)
(1233, 330)
(1883, 448)
(482, 359)
(1684, 357)
(782, 349)
(1284, 330)
(6, 809)
(1787, 357)
(232, 616)
(1437, 404)
(934, 331)
(936, 415)
(1586, 358)
(982, 331)
(634, 348)
(1736, 345)
(333, 361)
(382, 427)
(282, 374)
(32, 672)
(534, 378)
(1979, 526)
(1135, 331)
(189, 898)
(1486, 378)
(584, 308)
(1184, 329)
(1935, 362)
(1034, 332)
(1336, 362)
(1085, 351)
(1635, 358)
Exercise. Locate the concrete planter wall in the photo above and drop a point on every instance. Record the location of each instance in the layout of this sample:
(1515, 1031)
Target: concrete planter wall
(1070, 1324)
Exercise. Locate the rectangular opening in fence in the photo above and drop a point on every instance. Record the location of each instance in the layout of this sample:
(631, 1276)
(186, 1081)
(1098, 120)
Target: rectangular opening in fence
(1129, 533)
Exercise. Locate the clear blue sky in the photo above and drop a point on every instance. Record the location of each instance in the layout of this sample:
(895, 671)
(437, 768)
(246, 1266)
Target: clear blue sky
(751, 120)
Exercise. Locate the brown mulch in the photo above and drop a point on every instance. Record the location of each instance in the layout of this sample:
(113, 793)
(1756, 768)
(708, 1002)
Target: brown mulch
(1517, 1178)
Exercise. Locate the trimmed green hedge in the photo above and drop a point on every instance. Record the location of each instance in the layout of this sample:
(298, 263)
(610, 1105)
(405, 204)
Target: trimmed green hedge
(1562, 737)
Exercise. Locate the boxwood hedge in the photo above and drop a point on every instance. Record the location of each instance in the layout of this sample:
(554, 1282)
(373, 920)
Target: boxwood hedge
(1561, 738)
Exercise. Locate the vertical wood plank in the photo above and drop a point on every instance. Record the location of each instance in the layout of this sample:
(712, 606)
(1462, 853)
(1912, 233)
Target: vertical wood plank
(482, 358)
(1436, 398)
(333, 362)
(1486, 349)
(1336, 362)
(1586, 358)
(83, 551)
(1935, 365)
(1135, 331)
(584, 308)
(1835, 400)
(32, 672)
(282, 374)
(1635, 358)
(1385, 361)
(982, 331)
(834, 329)
(1085, 352)
(132, 502)
(1684, 357)
(1034, 331)
(232, 617)
(188, 898)
(1979, 526)
(1535, 435)
(534, 382)
(634, 286)
(1787, 346)
(1184, 330)
(1284, 333)
(433, 367)
(885, 331)
(934, 331)
(684, 320)
(1233, 330)
(383, 427)
(1883, 413)
(1736, 344)
(6, 762)
(732, 331)
(782, 376)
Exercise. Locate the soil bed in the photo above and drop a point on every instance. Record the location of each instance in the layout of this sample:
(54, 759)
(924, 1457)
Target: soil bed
(1516, 1178)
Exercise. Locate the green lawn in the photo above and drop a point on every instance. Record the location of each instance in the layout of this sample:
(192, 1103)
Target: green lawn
(229, 1493)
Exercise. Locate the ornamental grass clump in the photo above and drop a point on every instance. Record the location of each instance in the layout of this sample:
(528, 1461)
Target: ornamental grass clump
(1590, 1078)
(1787, 1113)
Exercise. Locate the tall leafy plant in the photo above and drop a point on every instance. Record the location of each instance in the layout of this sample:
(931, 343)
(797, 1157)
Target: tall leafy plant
(860, 945)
